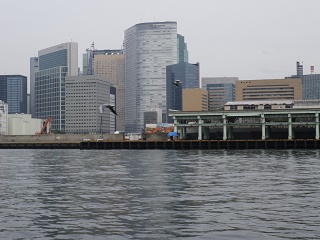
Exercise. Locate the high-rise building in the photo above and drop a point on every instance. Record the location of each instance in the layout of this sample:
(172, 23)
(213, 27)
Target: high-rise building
(310, 83)
(268, 89)
(111, 66)
(13, 91)
(84, 95)
(183, 54)
(55, 63)
(220, 90)
(188, 74)
(88, 58)
(219, 94)
(148, 49)
(34, 67)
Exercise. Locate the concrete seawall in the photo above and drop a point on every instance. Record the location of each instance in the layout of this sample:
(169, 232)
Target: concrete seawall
(59, 138)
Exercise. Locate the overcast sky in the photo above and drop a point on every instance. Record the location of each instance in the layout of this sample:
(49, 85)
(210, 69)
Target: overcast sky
(249, 39)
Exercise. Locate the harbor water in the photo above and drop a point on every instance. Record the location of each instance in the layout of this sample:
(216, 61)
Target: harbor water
(159, 194)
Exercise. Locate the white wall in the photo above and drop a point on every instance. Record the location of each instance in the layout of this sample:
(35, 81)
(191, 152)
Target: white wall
(23, 124)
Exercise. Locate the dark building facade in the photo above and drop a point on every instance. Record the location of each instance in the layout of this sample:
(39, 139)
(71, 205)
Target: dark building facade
(188, 74)
(13, 91)
(219, 94)
(310, 83)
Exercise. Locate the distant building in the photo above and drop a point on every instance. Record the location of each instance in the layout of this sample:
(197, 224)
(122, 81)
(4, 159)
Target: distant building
(183, 55)
(84, 95)
(13, 91)
(217, 80)
(299, 69)
(34, 67)
(220, 90)
(219, 94)
(310, 83)
(148, 49)
(23, 124)
(194, 99)
(111, 66)
(28, 104)
(88, 61)
(268, 89)
(150, 117)
(55, 63)
(188, 74)
(3, 118)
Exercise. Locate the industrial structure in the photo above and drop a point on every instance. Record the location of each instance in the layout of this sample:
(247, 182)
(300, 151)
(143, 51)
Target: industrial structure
(252, 120)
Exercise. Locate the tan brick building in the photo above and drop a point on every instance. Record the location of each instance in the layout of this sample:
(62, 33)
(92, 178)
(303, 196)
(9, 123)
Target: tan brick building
(194, 99)
(112, 67)
(268, 89)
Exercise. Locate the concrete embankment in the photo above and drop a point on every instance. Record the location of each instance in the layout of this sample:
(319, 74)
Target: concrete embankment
(71, 141)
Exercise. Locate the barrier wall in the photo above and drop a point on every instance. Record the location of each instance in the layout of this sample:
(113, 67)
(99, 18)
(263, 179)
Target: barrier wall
(61, 138)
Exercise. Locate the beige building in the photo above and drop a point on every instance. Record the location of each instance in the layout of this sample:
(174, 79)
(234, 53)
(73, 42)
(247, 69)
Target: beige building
(194, 99)
(111, 66)
(268, 89)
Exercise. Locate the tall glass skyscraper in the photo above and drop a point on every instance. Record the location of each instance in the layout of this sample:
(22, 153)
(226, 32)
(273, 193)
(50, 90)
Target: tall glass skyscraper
(13, 91)
(188, 74)
(183, 54)
(148, 49)
(55, 63)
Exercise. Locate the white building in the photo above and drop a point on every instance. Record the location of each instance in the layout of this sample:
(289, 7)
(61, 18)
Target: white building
(23, 124)
(3, 118)
(148, 49)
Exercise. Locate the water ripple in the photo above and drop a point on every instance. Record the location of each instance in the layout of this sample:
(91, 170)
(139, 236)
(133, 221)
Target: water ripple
(160, 194)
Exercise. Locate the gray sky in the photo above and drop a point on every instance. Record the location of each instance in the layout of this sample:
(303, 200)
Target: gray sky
(249, 39)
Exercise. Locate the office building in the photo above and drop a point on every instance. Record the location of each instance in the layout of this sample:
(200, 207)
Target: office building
(89, 58)
(183, 54)
(188, 74)
(220, 90)
(13, 91)
(310, 83)
(84, 96)
(219, 94)
(268, 89)
(194, 99)
(111, 66)
(34, 67)
(148, 49)
(55, 63)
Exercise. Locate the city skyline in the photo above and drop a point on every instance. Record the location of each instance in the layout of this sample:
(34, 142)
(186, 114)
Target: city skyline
(249, 40)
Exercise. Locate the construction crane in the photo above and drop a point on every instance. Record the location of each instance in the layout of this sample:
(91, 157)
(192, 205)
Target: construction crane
(45, 126)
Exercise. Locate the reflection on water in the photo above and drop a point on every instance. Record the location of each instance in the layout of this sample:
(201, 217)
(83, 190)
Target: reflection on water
(159, 194)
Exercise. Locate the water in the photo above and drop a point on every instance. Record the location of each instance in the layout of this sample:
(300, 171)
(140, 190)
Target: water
(159, 194)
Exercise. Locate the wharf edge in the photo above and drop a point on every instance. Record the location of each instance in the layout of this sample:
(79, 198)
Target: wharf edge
(205, 144)
(178, 144)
